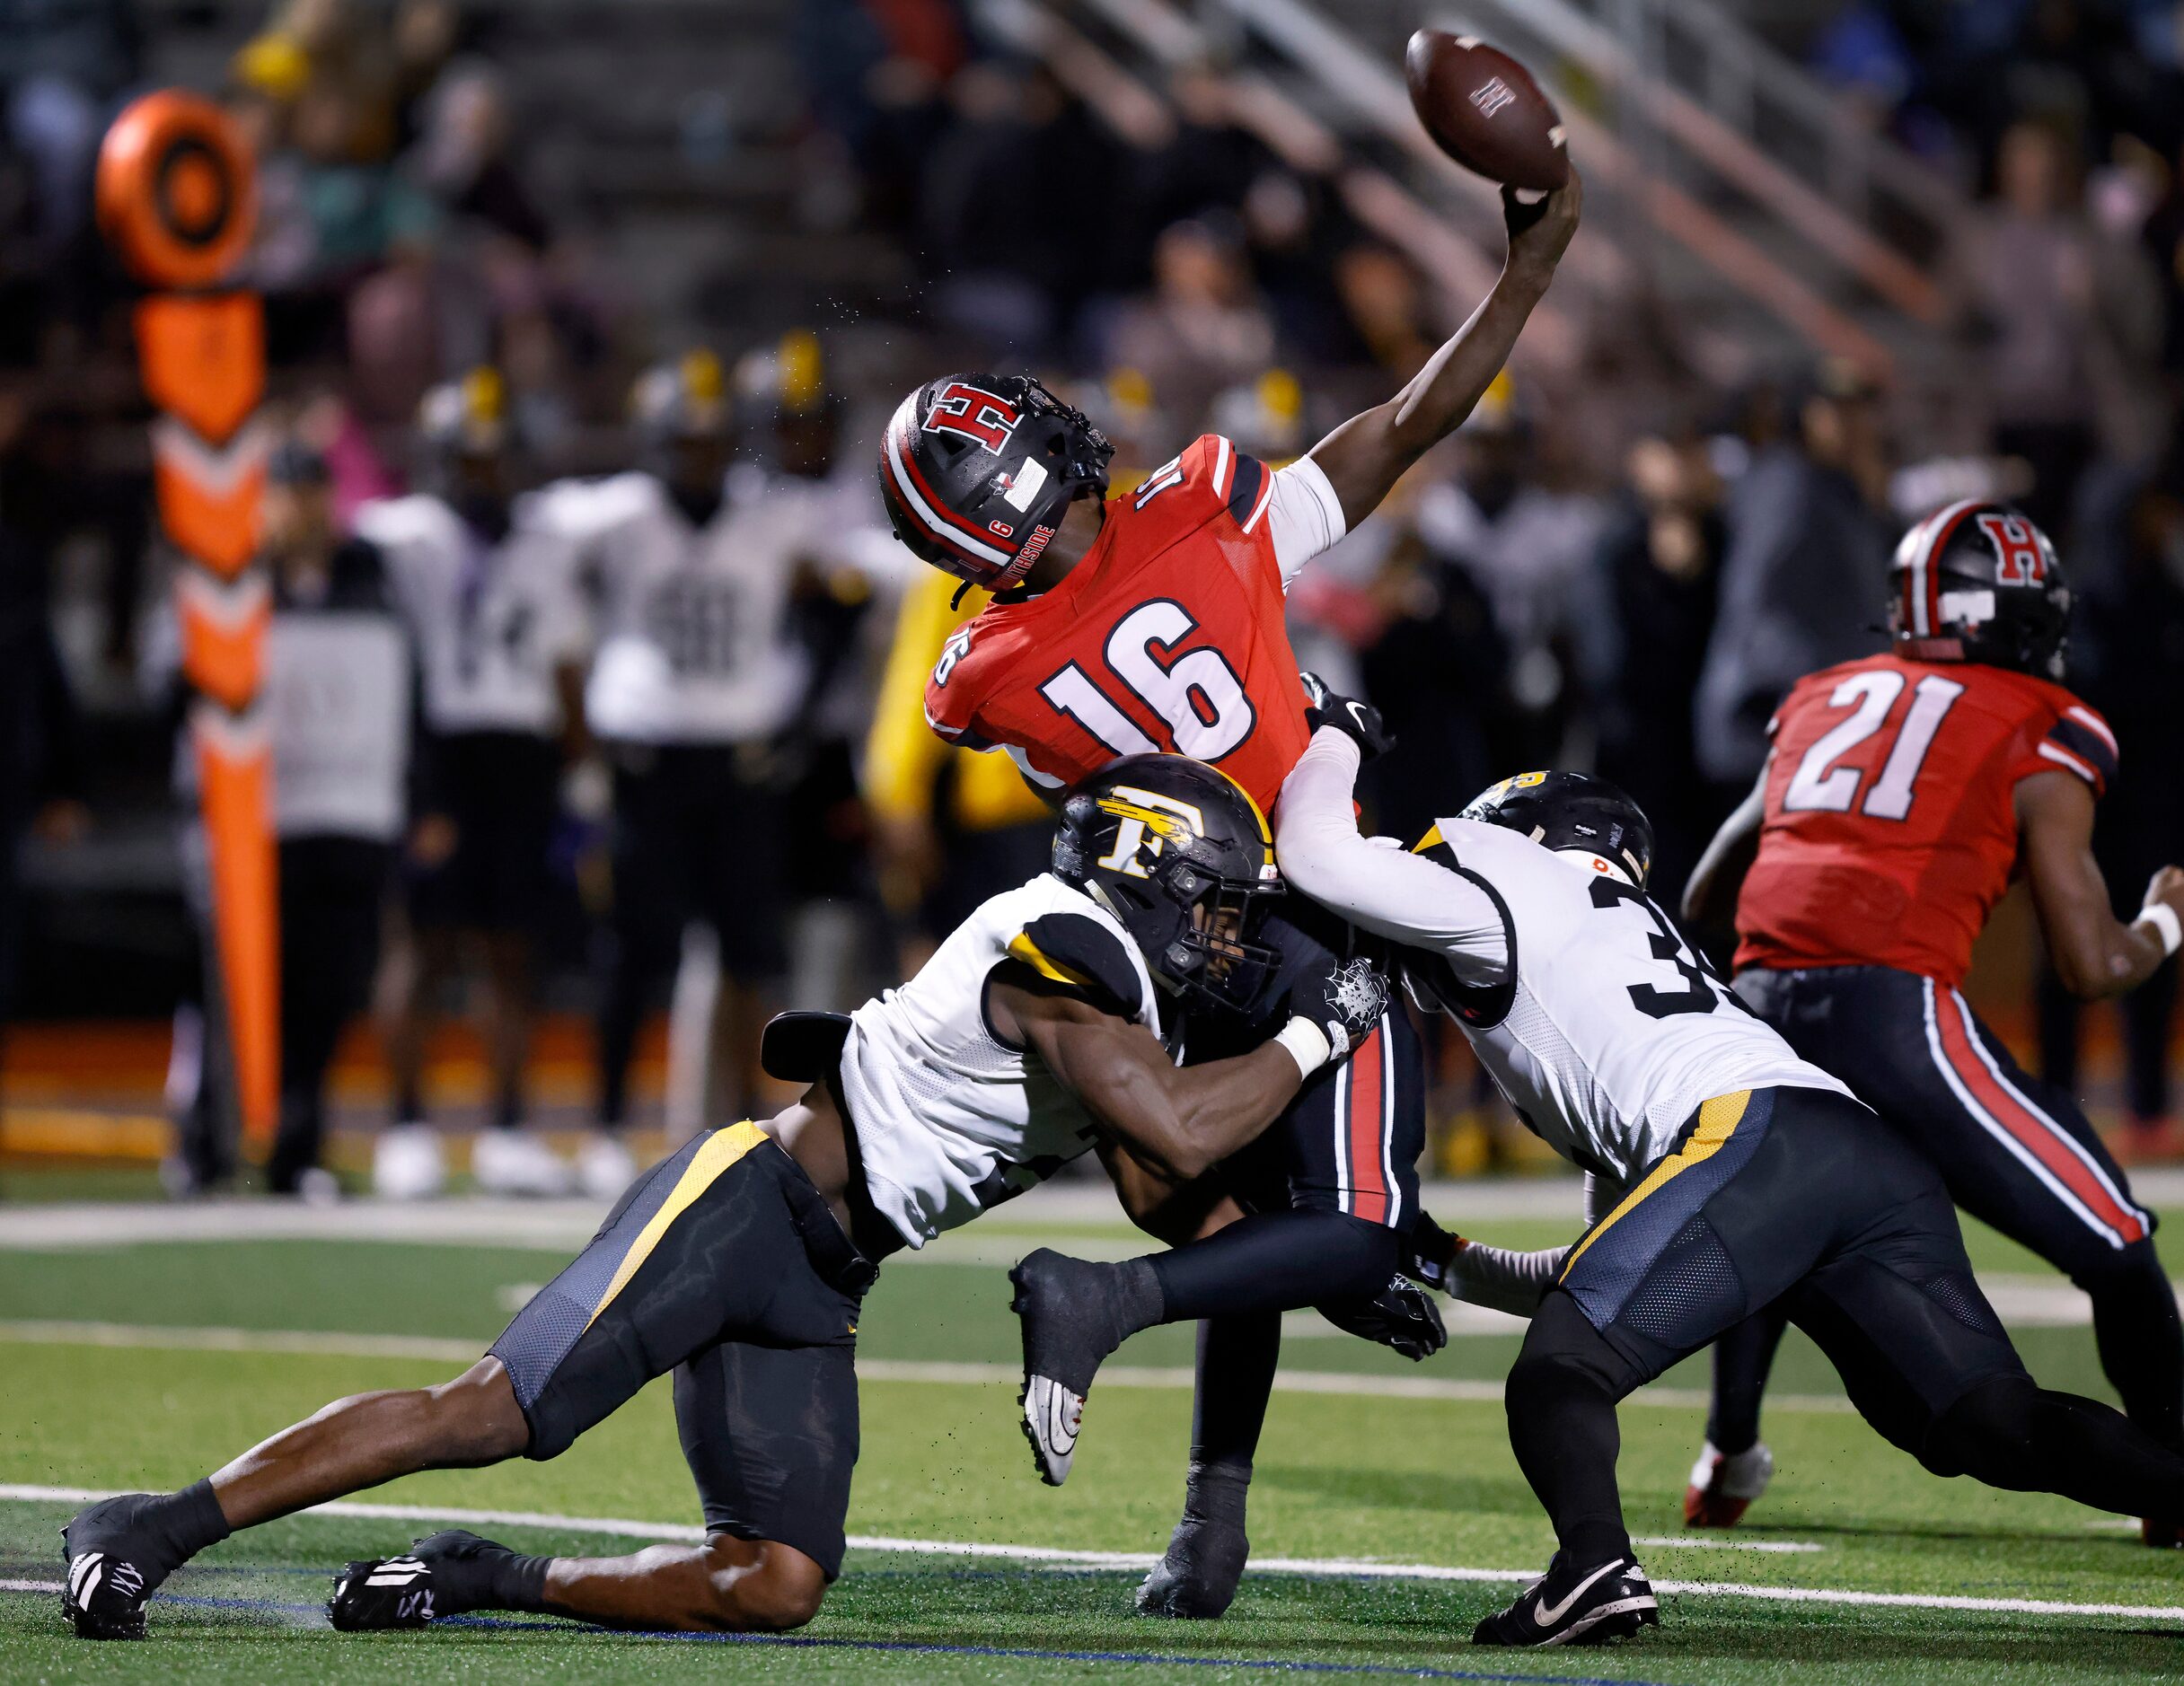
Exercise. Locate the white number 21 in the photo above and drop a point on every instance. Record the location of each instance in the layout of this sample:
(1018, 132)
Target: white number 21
(1820, 785)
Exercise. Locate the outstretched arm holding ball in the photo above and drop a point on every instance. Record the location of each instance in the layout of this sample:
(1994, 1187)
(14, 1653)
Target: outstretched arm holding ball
(1482, 109)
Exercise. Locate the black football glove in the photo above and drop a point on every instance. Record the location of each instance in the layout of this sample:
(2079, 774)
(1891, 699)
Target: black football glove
(1360, 722)
(1344, 997)
(1402, 1316)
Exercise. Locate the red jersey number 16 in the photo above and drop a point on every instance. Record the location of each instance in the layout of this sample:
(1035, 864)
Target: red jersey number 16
(1197, 694)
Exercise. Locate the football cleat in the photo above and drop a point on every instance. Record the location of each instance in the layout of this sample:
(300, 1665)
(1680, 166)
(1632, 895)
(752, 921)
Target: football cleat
(514, 1162)
(604, 1167)
(111, 1567)
(1724, 1484)
(1069, 1325)
(1054, 1417)
(1197, 1579)
(413, 1590)
(2162, 1535)
(407, 1164)
(1566, 1606)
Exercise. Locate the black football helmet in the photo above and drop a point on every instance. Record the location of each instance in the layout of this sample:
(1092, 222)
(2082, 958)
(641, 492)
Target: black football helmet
(1978, 582)
(1571, 810)
(1183, 857)
(977, 470)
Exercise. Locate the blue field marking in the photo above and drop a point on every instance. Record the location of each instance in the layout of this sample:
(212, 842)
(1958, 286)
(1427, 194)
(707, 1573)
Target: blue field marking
(1028, 1654)
(916, 1647)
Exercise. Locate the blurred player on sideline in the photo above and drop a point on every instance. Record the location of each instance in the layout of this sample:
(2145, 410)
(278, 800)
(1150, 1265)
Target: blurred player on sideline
(1155, 621)
(1901, 795)
(490, 595)
(697, 672)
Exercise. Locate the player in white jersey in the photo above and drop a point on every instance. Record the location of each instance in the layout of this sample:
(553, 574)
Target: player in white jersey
(739, 1263)
(490, 589)
(1742, 1176)
(698, 671)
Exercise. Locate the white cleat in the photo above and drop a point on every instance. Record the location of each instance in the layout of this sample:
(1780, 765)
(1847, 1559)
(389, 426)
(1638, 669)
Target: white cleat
(604, 1167)
(514, 1161)
(1722, 1487)
(1054, 1417)
(408, 1163)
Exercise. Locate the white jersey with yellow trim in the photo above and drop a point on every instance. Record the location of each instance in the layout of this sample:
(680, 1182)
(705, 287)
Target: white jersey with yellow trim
(950, 1120)
(1577, 993)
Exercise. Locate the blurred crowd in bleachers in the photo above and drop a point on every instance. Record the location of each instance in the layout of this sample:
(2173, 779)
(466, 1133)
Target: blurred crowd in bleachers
(1618, 566)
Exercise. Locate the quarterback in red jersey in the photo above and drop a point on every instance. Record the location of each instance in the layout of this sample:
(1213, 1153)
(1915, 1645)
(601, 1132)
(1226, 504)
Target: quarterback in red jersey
(1901, 795)
(1154, 621)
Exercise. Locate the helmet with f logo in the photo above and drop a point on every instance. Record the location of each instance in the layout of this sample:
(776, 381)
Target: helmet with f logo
(1184, 860)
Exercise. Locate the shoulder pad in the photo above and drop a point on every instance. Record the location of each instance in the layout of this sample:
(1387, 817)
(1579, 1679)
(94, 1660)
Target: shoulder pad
(1077, 949)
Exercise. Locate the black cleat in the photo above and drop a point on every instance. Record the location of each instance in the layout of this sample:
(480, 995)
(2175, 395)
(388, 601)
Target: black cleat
(1071, 1323)
(440, 1575)
(1197, 1578)
(112, 1565)
(1565, 1606)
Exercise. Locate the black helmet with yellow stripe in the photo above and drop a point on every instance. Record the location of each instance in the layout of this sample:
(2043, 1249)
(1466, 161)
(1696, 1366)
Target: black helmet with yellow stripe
(1572, 813)
(1183, 857)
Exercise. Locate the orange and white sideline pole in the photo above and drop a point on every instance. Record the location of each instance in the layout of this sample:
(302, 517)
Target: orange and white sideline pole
(176, 198)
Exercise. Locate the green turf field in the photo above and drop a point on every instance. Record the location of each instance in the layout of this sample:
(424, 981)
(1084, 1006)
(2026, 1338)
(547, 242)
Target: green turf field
(1385, 1523)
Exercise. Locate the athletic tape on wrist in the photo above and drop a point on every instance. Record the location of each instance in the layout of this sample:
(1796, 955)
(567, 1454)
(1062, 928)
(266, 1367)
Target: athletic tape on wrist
(2166, 925)
(1307, 1044)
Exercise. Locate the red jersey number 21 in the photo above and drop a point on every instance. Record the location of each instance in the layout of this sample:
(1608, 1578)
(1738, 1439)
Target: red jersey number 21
(1820, 784)
(1197, 694)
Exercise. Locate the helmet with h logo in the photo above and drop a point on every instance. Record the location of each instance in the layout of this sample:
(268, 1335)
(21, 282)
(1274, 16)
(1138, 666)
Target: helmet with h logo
(1978, 582)
(978, 469)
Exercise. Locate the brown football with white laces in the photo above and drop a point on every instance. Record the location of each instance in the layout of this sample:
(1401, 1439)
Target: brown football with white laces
(1483, 110)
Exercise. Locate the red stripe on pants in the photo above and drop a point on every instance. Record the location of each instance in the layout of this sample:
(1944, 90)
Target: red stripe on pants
(2035, 1132)
(1369, 1186)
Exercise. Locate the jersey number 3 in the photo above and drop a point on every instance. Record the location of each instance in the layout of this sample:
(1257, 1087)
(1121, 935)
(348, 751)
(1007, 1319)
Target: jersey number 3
(1820, 784)
(1198, 695)
(1698, 994)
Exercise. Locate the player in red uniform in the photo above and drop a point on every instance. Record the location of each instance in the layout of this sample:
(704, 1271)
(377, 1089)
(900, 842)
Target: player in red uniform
(1154, 621)
(1901, 793)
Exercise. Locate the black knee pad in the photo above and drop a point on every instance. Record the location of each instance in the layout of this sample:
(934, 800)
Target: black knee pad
(1985, 1434)
(1358, 1257)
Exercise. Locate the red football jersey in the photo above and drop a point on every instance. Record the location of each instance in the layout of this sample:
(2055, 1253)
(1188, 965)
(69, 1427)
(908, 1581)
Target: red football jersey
(1167, 636)
(1890, 829)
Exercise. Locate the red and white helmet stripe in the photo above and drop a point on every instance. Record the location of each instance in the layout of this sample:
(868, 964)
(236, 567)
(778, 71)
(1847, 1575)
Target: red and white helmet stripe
(928, 511)
(1921, 580)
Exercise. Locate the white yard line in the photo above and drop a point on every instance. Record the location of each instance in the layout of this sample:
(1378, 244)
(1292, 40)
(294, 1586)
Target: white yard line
(441, 1350)
(1324, 1567)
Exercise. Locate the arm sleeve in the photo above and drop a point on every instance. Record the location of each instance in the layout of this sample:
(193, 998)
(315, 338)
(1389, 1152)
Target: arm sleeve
(1303, 516)
(1502, 1279)
(1393, 894)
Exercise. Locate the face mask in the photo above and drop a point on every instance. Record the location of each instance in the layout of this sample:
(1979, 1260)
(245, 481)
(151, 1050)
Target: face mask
(699, 506)
(484, 514)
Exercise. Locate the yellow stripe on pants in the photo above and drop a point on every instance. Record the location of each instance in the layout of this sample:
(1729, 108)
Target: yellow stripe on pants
(721, 1150)
(1718, 1120)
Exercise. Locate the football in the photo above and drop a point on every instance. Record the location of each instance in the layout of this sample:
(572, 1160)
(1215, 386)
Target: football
(1483, 110)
